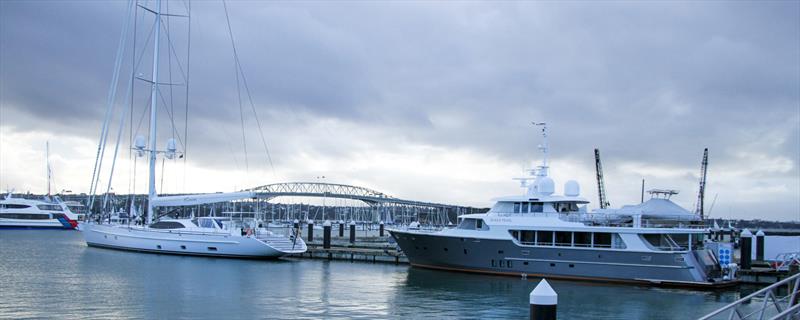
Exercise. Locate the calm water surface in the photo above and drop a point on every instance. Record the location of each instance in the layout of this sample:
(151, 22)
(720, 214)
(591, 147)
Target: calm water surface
(53, 274)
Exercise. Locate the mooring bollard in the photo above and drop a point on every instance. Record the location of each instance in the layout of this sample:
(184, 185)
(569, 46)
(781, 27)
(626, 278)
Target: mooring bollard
(381, 230)
(310, 230)
(746, 249)
(352, 231)
(341, 229)
(326, 234)
(760, 245)
(544, 301)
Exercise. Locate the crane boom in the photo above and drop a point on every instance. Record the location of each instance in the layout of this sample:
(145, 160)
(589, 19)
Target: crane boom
(601, 187)
(701, 192)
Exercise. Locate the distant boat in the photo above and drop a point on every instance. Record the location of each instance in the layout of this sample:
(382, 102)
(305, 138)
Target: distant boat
(542, 234)
(20, 213)
(204, 236)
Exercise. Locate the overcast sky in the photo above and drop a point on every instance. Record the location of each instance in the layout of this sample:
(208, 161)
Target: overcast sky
(428, 101)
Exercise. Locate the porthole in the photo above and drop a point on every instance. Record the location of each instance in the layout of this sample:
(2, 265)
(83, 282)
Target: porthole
(445, 249)
(212, 248)
(571, 265)
(525, 263)
(465, 251)
(500, 251)
(158, 247)
(183, 247)
(552, 264)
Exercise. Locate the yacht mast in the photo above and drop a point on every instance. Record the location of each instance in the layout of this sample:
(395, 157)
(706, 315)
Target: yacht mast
(544, 147)
(47, 162)
(153, 114)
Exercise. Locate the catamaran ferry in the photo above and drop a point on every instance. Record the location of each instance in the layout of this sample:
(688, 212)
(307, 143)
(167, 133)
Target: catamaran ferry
(542, 234)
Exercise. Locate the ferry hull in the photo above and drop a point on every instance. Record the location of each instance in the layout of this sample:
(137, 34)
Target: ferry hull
(504, 257)
(180, 243)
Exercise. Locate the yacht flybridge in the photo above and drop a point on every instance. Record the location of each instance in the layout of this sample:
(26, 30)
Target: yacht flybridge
(542, 234)
(206, 236)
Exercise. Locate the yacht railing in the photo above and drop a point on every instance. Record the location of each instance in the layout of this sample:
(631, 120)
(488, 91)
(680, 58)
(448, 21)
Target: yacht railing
(614, 220)
(784, 260)
(766, 303)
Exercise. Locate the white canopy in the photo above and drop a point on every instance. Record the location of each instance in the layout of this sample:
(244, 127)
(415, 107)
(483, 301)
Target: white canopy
(196, 199)
(658, 208)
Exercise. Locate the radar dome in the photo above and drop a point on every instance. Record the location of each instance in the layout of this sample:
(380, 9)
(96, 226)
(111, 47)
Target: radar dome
(546, 186)
(572, 189)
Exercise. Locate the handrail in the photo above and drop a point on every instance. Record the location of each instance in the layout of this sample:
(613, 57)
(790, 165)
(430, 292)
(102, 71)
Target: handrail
(792, 307)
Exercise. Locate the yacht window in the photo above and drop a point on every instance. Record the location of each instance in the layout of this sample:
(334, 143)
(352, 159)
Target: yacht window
(544, 238)
(467, 224)
(59, 216)
(49, 207)
(16, 206)
(583, 239)
(563, 239)
(515, 234)
(602, 240)
(665, 242)
(206, 223)
(525, 207)
(219, 223)
(536, 207)
(167, 225)
(503, 207)
(528, 237)
(516, 207)
(479, 224)
(25, 216)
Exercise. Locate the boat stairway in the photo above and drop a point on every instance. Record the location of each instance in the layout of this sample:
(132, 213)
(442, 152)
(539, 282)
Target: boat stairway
(284, 244)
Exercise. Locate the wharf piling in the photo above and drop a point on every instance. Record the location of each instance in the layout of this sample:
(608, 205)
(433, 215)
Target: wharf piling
(310, 230)
(341, 229)
(760, 245)
(352, 232)
(326, 235)
(746, 247)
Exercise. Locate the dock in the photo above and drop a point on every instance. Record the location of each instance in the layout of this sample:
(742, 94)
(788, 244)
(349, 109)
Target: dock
(373, 250)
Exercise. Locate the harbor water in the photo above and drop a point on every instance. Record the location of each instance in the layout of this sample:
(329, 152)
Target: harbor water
(53, 274)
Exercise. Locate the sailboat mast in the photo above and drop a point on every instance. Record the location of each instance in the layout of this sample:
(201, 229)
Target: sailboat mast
(153, 114)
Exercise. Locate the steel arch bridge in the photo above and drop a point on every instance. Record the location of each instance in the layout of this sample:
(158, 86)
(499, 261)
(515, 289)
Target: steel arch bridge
(340, 191)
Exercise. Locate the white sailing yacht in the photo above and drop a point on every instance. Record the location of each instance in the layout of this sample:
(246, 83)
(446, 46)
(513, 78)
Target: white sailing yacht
(205, 236)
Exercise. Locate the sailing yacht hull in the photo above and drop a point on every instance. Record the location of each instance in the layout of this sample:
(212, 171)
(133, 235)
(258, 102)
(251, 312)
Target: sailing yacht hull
(180, 242)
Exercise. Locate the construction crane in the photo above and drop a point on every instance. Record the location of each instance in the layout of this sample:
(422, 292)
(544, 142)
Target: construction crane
(601, 187)
(702, 191)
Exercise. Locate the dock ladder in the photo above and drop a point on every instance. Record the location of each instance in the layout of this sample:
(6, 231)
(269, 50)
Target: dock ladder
(766, 303)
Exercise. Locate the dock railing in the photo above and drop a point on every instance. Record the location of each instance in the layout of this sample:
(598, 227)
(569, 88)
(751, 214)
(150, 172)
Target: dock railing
(766, 303)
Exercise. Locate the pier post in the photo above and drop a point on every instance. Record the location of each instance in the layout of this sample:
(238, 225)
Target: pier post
(543, 302)
(296, 228)
(352, 231)
(310, 230)
(341, 229)
(746, 249)
(381, 230)
(326, 235)
(760, 245)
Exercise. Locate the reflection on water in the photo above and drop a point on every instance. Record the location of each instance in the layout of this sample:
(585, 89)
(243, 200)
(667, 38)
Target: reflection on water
(54, 274)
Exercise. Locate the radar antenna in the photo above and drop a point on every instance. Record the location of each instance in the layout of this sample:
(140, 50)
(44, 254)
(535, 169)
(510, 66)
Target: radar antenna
(701, 192)
(601, 186)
